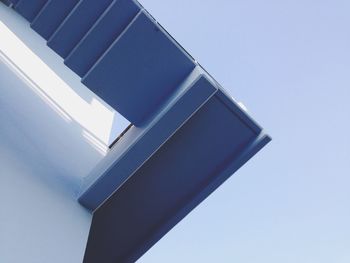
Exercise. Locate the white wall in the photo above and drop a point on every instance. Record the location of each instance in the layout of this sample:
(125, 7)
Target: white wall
(40, 220)
(72, 126)
(53, 132)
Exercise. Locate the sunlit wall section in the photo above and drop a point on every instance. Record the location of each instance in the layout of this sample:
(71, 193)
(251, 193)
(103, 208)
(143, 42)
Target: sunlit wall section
(70, 125)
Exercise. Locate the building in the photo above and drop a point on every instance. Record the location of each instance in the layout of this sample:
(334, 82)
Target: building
(112, 132)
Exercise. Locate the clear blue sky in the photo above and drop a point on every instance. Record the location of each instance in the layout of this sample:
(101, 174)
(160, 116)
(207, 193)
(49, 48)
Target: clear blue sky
(289, 63)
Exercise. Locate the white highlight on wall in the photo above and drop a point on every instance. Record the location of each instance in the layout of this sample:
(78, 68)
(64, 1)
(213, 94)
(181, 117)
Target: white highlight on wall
(61, 88)
(62, 119)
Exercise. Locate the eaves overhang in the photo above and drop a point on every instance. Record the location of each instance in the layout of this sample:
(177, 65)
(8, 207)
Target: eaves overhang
(188, 166)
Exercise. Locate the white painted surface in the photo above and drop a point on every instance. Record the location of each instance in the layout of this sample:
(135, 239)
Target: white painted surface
(40, 220)
(61, 86)
(67, 122)
(53, 132)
